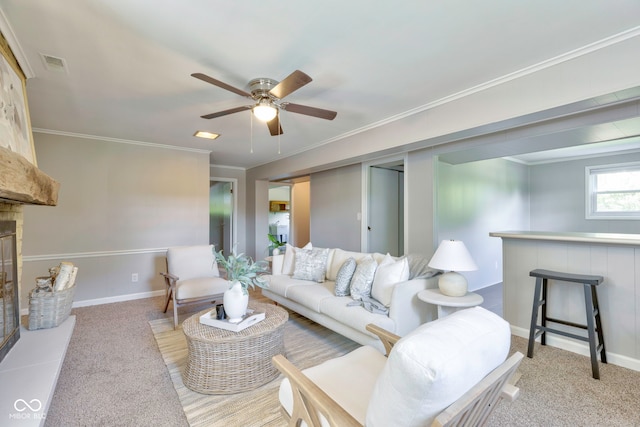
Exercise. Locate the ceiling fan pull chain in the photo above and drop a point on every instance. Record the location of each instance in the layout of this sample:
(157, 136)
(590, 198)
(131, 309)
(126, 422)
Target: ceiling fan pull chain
(279, 133)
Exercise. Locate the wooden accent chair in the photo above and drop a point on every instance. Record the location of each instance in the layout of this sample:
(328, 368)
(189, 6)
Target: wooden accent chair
(449, 372)
(192, 276)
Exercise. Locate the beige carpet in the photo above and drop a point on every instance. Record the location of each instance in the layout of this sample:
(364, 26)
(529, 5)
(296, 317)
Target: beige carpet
(556, 388)
(307, 344)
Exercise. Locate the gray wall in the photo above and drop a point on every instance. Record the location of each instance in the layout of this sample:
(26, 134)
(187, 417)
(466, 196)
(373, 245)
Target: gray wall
(336, 197)
(558, 197)
(120, 206)
(476, 198)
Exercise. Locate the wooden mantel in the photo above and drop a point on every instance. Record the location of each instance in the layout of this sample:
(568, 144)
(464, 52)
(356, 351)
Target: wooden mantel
(22, 182)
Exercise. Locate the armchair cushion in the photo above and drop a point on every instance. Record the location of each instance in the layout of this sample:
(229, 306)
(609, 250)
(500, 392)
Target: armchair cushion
(348, 379)
(200, 287)
(189, 262)
(436, 364)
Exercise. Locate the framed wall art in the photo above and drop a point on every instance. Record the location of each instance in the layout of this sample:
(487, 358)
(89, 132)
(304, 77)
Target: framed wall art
(15, 125)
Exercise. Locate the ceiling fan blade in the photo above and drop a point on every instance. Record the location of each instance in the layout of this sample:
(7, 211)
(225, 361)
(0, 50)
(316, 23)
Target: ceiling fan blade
(309, 111)
(226, 112)
(291, 83)
(274, 126)
(220, 84)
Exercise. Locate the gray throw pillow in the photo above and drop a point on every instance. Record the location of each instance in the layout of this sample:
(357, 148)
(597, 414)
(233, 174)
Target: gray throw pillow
(362, 279)
(311, 264)
(343, 278)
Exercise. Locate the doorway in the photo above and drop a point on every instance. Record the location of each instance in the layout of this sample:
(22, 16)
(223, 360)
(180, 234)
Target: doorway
(221, 215)
(383, 228)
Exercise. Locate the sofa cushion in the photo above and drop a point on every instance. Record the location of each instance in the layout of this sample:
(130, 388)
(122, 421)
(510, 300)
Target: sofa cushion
(338, 258)
(435, 364)
(362, 279)
(311, 294)
(289, 257)
(311, 264)
(351, 387)
(388, 273)
(343, 278)
(355, 317)
(279, 284)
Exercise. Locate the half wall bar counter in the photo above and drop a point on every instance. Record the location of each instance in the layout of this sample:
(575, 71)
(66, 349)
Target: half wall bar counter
(616, 257)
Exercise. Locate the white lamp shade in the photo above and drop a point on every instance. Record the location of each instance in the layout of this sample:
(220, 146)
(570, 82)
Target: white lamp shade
(452, 255)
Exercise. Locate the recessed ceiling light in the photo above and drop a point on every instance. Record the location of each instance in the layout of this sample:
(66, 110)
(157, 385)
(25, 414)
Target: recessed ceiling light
(204, 134)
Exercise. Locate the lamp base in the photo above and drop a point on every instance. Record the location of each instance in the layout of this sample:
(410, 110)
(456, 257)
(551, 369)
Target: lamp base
(453, 284)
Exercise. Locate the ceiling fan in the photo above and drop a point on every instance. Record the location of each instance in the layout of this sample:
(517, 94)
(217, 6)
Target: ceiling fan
(268, 95)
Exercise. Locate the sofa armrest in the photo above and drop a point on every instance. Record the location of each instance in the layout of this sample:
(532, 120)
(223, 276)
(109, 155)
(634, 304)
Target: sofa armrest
(406, 310)
(277, 261)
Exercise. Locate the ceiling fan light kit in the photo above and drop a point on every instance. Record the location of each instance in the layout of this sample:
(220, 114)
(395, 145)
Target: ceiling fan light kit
(264, 111)
(268, 95)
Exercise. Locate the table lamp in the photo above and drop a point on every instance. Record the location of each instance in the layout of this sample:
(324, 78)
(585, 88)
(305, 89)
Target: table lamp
(452, 256)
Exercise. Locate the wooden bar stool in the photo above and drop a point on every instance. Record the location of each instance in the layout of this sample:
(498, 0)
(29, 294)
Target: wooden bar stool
(593, 326)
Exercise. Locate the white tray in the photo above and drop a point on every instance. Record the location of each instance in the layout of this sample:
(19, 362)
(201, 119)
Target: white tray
(249, 319)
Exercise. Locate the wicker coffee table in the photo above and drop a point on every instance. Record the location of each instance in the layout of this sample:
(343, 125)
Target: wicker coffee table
(226, 362)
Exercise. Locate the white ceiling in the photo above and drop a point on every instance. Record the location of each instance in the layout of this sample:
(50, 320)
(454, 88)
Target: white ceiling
(129, 61)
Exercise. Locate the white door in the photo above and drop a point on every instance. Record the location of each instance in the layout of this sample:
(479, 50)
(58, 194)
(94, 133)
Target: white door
(221, 216)
(385, 211)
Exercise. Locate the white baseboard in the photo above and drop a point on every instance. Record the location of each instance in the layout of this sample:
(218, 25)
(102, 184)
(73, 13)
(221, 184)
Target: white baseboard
(580, 348)
(108, 300)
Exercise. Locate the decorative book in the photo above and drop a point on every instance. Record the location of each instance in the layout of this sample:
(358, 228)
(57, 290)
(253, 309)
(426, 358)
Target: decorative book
(249, 319)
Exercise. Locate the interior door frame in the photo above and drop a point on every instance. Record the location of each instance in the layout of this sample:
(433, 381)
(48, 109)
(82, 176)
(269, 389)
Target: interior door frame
(364, 215)
(234, 206)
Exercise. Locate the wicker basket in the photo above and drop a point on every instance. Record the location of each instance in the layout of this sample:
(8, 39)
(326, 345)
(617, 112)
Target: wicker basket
(49, 309)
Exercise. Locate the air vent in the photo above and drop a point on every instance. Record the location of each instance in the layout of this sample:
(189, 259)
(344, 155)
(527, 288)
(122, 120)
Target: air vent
(53, 63)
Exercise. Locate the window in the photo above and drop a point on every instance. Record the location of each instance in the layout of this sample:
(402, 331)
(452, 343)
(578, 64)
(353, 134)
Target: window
(613, 191)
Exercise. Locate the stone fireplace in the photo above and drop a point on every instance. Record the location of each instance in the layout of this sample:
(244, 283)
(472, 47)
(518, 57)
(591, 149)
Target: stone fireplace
(21, 183)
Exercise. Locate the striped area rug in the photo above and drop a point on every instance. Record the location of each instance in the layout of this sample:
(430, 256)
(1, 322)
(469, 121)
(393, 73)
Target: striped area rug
(306, 343)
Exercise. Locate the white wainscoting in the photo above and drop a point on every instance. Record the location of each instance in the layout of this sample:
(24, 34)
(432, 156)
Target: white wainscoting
(103, 277)
(618, 295)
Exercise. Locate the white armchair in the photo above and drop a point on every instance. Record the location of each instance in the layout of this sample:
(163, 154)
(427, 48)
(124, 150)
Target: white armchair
(192, 276)
(451, 371)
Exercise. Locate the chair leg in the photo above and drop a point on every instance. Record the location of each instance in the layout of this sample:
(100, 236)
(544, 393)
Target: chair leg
(603, 354)
(169, 295)
(175, 314)
(534, 316)
(591, 329)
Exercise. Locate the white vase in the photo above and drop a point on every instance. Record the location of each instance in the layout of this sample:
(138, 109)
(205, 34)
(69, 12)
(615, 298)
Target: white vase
(235, 302)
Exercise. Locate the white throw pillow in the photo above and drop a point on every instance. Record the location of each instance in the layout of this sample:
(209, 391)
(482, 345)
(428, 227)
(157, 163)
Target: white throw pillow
(388, 273)
(362, 279)
(289, 258)
(432, 366)
(311, 264)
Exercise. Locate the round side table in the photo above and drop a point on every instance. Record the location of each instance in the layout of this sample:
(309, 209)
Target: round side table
(226, 362)
(446, 304)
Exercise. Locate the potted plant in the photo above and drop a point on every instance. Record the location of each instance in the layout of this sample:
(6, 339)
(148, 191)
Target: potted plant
(242, 273)
(275, 244)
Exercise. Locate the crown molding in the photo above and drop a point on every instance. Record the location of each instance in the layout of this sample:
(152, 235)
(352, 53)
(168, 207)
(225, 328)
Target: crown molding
(10, 37)
(120, 141)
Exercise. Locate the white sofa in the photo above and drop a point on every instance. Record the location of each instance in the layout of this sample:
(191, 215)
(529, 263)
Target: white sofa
(318, 301)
